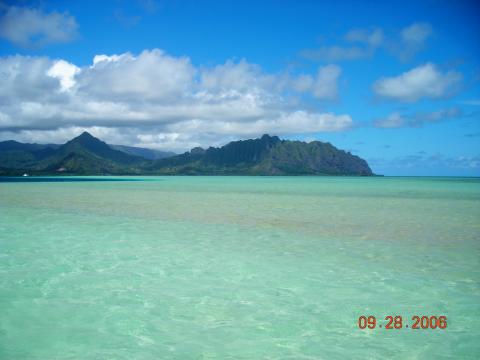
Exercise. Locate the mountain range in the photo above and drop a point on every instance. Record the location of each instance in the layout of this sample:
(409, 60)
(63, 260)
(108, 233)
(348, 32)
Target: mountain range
(268, 155)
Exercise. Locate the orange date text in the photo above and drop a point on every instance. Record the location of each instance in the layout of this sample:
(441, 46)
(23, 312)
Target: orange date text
(391, 322)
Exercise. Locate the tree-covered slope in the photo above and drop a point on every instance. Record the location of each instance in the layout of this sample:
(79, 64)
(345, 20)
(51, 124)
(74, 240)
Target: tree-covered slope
(268, 155)
(83, 155)
(265, 156)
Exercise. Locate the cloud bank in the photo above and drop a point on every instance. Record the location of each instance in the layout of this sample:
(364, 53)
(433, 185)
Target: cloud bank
(159, 100)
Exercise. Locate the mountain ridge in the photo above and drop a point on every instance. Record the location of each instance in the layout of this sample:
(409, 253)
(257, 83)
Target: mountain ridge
(267, 155)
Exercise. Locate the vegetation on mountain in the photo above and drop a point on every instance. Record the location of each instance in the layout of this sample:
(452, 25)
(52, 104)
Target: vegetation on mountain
(268, 155)
(265, 156)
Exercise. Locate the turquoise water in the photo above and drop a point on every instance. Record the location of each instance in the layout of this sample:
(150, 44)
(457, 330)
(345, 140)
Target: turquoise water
(238, 268)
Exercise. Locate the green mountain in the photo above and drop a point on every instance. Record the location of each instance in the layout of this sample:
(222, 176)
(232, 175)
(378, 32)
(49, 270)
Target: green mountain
(83, 155)
(12, 145)
(16, 155)
(268, 155)
(265, 156)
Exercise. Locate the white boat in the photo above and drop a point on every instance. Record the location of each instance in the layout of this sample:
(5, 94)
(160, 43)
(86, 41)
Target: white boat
(25, 174)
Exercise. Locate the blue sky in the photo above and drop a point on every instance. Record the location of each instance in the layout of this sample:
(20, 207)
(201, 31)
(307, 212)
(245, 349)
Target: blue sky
(395, 82)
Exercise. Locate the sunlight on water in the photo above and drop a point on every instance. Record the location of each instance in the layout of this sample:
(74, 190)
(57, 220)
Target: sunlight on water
(238, 268)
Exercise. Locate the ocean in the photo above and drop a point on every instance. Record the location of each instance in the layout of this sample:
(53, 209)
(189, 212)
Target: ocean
(238, 268)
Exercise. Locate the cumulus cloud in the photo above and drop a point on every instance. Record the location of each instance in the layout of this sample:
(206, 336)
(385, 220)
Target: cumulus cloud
(28, 27)
(153, 96)
(152, 75)
(425, 81)
(64, 72)
(396, 120)
(25, 78)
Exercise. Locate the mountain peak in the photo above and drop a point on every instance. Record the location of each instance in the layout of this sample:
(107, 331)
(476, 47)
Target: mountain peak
(86, 146)
(85, 135)
(85, 139)
(266, 137)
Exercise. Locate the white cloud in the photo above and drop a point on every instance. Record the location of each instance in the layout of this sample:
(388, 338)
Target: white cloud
(285, 123)
(65, 73)
(151, 75)
(303, 122)
(425, 81)
(100, 58)
(127, 97)
(25, 78)
(27, 27)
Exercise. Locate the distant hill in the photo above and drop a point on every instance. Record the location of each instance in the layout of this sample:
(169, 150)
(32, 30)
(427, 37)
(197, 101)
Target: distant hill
(268, 155)
(84, 154)
(12, 145)
(149, 154)
(16, 155)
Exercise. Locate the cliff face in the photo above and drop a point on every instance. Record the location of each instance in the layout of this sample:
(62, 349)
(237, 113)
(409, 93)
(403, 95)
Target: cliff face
(268, 155)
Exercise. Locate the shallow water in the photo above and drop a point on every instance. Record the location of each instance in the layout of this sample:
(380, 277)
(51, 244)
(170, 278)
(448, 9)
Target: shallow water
(238, 268)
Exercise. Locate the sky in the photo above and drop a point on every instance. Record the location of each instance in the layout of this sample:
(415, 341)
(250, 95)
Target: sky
(394, 82)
